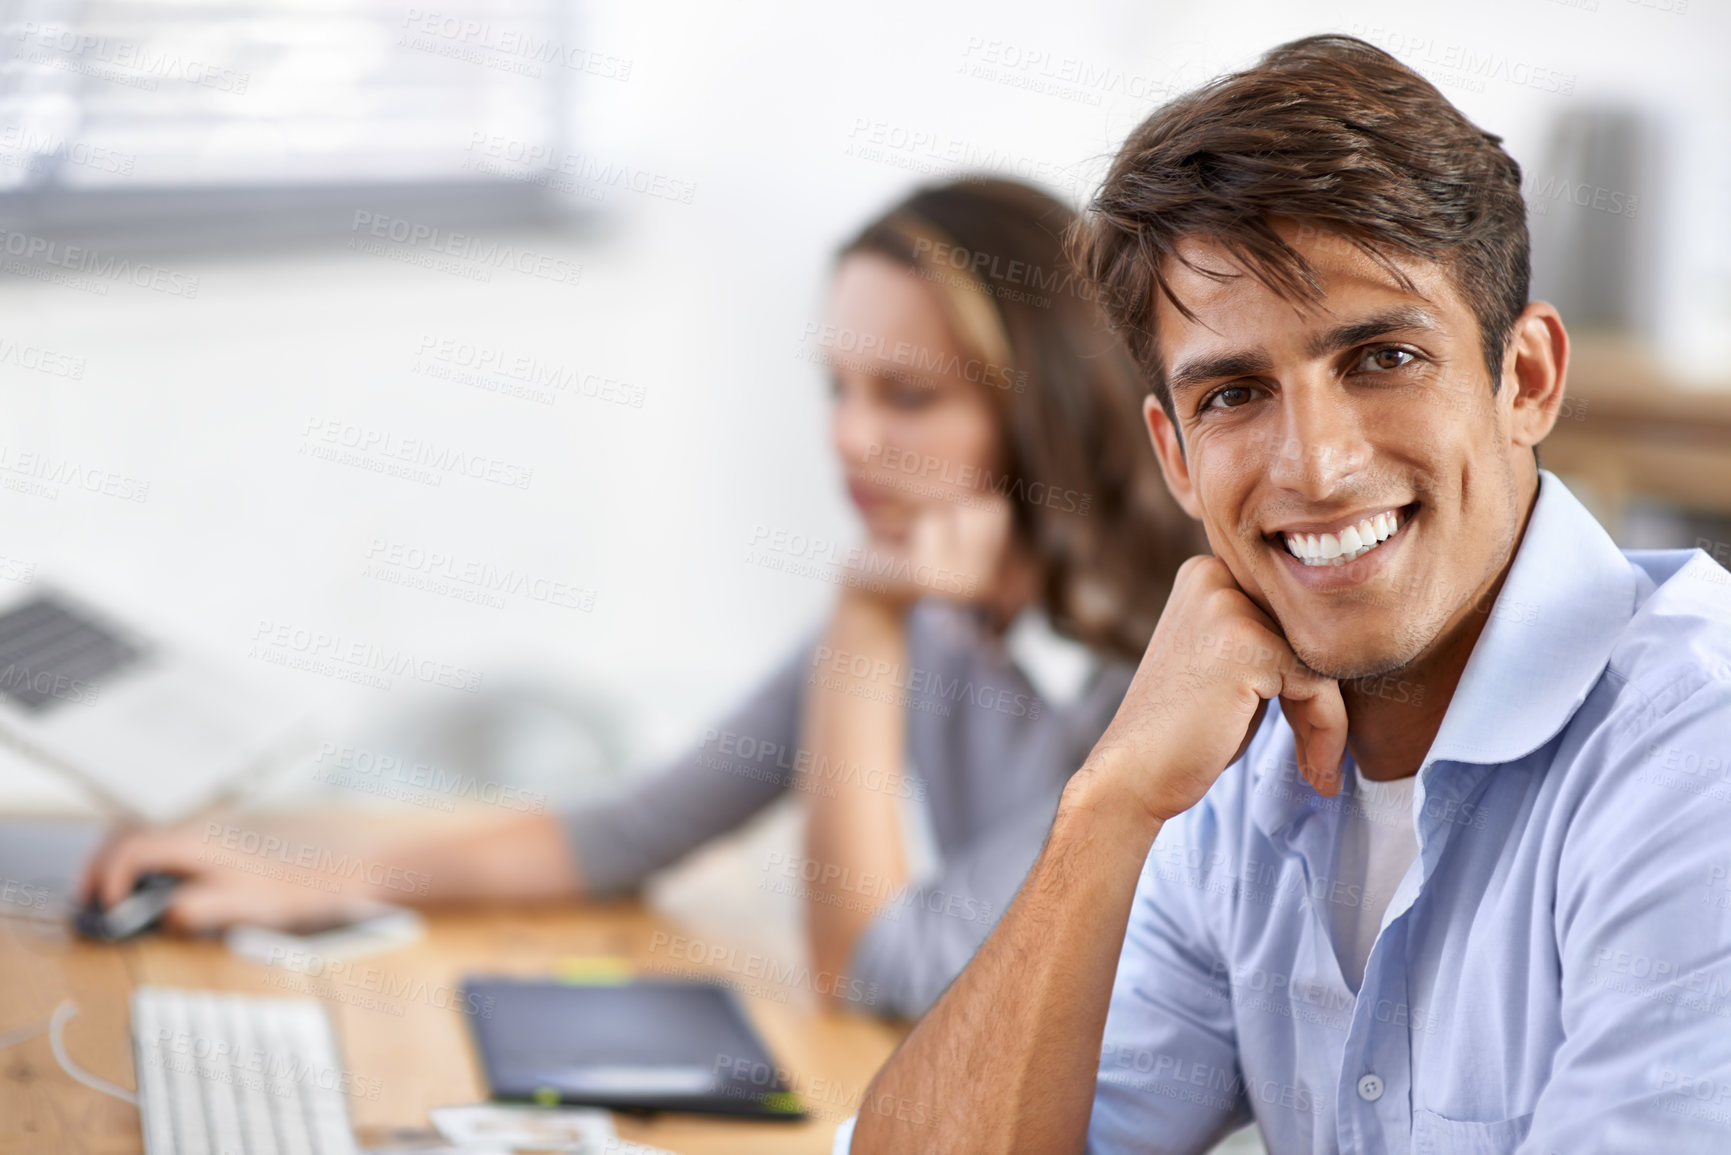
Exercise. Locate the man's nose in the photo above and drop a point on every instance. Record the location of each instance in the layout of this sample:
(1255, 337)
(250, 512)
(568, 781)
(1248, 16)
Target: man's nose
(1320, 441)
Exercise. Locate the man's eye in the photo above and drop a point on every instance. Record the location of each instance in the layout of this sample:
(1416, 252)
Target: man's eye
(1230, 397)
(1385, 359)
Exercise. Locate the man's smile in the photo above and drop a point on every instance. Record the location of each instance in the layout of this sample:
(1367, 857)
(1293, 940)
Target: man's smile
(1344, 539)
(1324, 556)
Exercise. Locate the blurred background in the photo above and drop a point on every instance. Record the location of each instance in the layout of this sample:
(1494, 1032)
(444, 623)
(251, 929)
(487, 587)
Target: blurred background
(479, 333)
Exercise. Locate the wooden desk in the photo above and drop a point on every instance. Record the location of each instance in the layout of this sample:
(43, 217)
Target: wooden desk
(399, 1033)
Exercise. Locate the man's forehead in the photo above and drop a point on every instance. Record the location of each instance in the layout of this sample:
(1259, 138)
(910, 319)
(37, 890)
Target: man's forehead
(1225, 295)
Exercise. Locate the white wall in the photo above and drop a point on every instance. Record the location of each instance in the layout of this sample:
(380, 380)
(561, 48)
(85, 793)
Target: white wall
(765, 108)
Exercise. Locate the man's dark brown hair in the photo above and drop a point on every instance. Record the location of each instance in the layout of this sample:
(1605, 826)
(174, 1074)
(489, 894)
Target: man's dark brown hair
(1336, 134)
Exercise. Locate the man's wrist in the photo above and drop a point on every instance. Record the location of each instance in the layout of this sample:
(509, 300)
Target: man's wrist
(1098, 805)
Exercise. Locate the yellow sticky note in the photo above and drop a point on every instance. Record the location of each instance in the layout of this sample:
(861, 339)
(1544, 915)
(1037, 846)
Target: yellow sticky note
(594, 970)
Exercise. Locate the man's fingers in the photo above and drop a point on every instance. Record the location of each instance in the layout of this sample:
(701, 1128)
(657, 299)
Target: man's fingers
(1311, 702)
(1317, 714)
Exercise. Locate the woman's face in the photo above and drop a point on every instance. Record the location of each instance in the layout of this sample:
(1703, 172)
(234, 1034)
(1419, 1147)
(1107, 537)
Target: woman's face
(911, 428)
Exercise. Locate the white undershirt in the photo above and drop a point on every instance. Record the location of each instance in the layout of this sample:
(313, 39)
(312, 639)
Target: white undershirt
(1377, 845)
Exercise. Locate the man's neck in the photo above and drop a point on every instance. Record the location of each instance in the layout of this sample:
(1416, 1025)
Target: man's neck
(1392, 719)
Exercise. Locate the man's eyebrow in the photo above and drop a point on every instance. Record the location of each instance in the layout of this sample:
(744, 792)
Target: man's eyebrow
(1365, 328)
(1251, 362)
(1238, 363)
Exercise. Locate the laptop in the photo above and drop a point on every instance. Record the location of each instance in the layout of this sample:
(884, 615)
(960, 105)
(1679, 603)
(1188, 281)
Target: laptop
(151, 729)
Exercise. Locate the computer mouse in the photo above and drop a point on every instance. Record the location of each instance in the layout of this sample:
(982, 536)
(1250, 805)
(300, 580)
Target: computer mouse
(138, 912)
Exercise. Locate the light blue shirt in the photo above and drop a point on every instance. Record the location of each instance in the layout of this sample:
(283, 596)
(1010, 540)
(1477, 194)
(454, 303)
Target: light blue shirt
(1553, 973)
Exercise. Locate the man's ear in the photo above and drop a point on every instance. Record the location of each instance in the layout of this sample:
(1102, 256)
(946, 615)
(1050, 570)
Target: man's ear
(1169, 453)
(1534, 371)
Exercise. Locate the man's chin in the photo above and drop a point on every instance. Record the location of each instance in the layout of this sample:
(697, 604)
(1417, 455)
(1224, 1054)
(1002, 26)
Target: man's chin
(1344, 665)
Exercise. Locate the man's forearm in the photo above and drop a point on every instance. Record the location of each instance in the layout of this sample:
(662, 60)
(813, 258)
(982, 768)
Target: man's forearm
(1007, 1058)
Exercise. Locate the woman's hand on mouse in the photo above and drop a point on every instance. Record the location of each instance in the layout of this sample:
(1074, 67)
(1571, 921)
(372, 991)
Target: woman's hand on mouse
(276, 872)
(287, 870)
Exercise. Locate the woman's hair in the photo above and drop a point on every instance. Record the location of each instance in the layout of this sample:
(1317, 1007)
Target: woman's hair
(1089, 504)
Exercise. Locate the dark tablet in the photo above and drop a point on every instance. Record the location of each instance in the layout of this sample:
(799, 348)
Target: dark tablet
(647, 1045)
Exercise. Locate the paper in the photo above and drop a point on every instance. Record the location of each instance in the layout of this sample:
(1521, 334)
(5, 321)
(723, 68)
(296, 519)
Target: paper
(495, 1125)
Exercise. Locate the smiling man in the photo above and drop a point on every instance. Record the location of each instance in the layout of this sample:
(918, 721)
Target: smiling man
(1465, 890)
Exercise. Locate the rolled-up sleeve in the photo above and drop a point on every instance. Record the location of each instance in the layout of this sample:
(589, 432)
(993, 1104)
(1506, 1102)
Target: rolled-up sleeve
(742, 765)
(1169, 1077)
(1644, 936)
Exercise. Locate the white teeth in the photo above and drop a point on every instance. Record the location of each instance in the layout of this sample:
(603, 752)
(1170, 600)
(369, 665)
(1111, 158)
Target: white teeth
(1353, 542)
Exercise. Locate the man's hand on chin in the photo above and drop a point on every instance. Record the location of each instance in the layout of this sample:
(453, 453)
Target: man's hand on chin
(1200, 692)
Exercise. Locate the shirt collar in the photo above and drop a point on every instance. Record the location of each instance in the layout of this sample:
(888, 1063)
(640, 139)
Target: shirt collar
(1568, 596)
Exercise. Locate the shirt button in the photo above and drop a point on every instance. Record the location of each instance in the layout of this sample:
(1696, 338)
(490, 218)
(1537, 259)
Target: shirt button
(1370, 1088)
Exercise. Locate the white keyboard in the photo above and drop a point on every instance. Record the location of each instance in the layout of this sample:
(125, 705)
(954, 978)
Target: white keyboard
(223, 1074)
